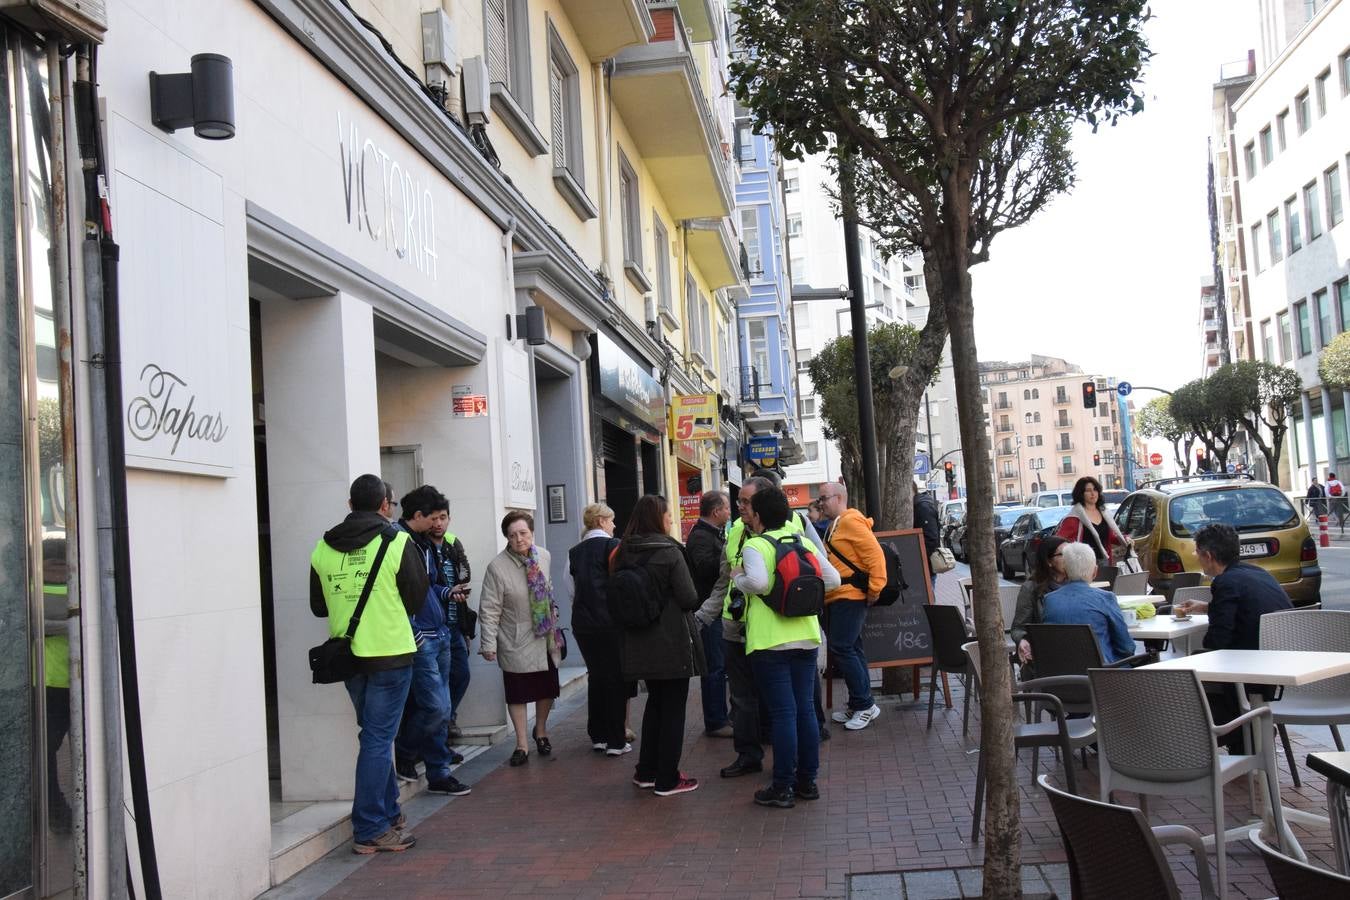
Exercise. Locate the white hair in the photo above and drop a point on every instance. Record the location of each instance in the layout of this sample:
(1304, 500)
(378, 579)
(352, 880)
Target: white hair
(1080, 561)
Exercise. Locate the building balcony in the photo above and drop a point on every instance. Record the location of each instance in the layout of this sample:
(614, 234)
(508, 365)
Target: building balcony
(1066, 469)
(1065, 447)
(697, 15)
(1061, 400)
(750, 384)
(657, 90)
(1003, 404)
(1004, 450)
(605, 27)
(1064, 422)
(1005, 429)
(716, 252)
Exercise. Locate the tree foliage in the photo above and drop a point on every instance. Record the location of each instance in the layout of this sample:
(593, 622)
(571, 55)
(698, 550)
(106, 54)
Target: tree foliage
(1156, 421)
(1333, 365)
(1209, 414)
(889, 344)
(1262, 396)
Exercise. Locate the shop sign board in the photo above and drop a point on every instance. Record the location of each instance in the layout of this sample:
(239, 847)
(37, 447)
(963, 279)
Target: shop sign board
(799, 495)
(693, 417)
(762, 450)
(627, 385)
(688, 514)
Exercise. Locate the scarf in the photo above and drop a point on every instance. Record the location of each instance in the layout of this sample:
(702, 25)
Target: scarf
(1080, 511)
(543, 611)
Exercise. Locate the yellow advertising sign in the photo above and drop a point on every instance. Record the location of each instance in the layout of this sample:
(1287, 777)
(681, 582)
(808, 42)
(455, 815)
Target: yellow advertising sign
(693, 417)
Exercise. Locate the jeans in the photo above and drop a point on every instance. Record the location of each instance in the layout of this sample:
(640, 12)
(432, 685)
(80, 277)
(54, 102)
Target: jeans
(713, 686)
(606, 691)
(378, 698)
(846, 619)
(748, 722)
(663, 731)
(784, 678)
(459, 671)
(422, 733)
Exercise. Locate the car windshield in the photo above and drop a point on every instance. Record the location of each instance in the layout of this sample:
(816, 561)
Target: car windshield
(1116, 497)
(1246, 509)
(1009, 518)
(1053, 516)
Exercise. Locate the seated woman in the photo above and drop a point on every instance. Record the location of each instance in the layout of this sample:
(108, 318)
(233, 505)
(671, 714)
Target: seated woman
(1046, 575)
(1079, 603)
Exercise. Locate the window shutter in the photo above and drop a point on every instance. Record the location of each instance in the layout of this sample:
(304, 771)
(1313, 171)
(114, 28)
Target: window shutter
(555, 102)
(498, 61)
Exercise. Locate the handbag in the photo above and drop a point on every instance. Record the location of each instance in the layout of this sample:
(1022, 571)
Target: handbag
(562, 650)
(468, 622)
(333, 660)
(941, 560)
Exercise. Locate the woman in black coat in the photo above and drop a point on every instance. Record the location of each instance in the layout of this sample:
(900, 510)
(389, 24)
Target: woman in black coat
(598, 638)
(666, 653)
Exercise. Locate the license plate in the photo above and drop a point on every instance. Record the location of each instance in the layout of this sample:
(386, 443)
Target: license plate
(1255, 548)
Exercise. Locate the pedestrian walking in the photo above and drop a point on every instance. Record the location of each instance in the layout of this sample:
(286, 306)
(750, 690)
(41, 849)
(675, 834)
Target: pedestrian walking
(855, 552)
(366, 554)
(1337, 501)
(665, 653)
(1090, 524)
(706, 545)
(1316, 500)
(453, 565)
(607, 691)
(783, 650)
(519, 629)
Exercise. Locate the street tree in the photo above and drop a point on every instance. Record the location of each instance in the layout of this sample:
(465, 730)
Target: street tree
(889, 345)
(951, 121)
(1263, 395)
(1333, 364)
(1155, 420)
(1213, 416)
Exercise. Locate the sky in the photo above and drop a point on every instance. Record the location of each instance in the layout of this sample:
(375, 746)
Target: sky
(1108, 276)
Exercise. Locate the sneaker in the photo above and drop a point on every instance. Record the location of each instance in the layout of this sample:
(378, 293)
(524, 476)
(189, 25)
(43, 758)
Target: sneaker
(392, 841)
(644, 783)
(683, 786)
(775, 796)
(806, 790)
(456, 757)
(862, 718)
(620, 751)
(599, 746)
(401, 822)
(824, 734)
(406, 769)
(448, 785)
(840, 717)
(724, 731)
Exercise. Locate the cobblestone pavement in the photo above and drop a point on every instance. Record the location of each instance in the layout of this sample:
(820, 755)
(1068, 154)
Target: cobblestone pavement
(893, 797)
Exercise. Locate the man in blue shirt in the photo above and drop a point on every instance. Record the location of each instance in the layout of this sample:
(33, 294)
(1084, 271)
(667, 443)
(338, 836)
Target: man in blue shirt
(1079, 603)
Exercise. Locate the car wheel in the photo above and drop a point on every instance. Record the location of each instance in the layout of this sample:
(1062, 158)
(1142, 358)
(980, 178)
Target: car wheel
(1008, 572)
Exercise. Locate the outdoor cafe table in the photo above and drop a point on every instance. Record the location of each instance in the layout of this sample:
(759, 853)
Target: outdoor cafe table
(1336, 768)
(1285, 668)
(1168, 628)
(1155, 599)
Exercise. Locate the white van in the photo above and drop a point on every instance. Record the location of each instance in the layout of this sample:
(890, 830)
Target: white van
(1045, 499)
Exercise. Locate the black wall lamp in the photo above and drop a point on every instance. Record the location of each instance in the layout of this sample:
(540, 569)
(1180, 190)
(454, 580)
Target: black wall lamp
(529, 325)
(203, 98)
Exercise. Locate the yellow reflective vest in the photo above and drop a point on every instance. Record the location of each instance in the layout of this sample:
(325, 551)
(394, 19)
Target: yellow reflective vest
(385, 629)
(764, 628)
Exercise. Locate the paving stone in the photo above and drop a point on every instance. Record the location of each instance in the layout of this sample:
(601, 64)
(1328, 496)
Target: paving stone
(936, 885)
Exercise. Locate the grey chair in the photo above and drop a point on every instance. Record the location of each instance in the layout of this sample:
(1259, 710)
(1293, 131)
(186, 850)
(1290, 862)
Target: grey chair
(1060, 650)
(1325, 702)
(1195, 592)
(1102, 840)
(1156, 736)
(1064, 734)
(948, 630)
(1133, 583)
(1296, 880)
(1184, 580)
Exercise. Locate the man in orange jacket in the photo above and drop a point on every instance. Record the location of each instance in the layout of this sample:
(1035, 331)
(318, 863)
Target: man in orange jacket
(856, 553)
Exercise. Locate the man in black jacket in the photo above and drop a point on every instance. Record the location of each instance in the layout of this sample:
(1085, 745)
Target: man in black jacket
(705, 546)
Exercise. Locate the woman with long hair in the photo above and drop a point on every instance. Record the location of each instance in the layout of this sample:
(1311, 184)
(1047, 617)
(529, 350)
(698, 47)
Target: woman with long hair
(1047, 573)
(666, 653)
(1090, 524)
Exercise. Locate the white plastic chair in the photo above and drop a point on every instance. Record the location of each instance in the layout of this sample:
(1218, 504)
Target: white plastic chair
(1131, 584)
(1325, 702)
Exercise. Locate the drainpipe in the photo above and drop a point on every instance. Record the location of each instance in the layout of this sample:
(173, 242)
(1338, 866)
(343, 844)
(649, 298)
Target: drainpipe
(56, 80)
(604, 155)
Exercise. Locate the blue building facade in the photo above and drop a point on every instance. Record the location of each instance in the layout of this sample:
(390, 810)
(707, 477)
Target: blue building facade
(768, 382)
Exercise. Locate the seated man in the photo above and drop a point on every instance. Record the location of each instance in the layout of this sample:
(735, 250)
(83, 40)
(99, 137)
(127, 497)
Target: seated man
(1240, 595)
(1079, 603)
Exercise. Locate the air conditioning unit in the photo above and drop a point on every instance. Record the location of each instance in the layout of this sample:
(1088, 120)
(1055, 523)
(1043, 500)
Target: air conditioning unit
(477, 91)
(77, 20)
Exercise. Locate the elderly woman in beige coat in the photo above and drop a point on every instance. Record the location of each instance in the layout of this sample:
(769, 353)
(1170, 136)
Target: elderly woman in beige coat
(519, 628)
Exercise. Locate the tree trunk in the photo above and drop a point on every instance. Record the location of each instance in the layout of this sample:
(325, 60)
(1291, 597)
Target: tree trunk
(1002, 855)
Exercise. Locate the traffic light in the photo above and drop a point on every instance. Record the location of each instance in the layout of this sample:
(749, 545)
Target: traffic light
(1089, 395)
(949, 468)
(1096, 458)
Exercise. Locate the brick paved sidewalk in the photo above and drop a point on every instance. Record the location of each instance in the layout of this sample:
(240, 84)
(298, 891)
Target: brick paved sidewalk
(893, 797)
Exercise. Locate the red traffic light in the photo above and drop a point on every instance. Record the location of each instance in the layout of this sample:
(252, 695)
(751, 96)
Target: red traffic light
(1096, 459)
(1089, 395)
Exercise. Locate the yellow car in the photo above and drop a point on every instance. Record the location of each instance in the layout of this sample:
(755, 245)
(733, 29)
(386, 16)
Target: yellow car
(1163, 516)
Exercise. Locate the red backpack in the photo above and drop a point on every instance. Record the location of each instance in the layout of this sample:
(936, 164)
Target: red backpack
(1336, 489)
(797, 589)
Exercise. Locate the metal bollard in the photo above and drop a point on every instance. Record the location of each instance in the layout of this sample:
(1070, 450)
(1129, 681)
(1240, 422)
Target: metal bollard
(1323, 538)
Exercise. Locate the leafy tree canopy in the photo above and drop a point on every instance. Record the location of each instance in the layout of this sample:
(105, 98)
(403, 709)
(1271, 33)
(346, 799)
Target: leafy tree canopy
(1333, 366)
(1155, 420)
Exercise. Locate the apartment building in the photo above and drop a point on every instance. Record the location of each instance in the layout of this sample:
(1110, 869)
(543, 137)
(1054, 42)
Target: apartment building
(1290, 171)
(1211, 333)
(1043, 438)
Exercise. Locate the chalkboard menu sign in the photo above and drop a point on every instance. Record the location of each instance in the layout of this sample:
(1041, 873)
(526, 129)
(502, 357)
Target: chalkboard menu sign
(897, 635)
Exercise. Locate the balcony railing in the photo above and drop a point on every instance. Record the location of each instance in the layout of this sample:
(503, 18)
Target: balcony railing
(1066, 469)
(1005, 429)
(1003, 404)
(1061, 399)
(1064, 422)
(1005, 450)
(750, 384)
(1066, 446)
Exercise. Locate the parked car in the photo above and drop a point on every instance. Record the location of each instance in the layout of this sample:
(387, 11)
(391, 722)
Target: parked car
(1163, 516)
(1017, 551)
(1004, 519)
(1047, 499)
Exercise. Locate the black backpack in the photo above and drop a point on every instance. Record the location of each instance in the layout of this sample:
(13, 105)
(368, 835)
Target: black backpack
(632, 596)
(895, 574)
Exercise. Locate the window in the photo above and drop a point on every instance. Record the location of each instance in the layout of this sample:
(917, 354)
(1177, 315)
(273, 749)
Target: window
(799, 270)
(750, 238)
(1305, 344)
(1267, 344)
(757, 337)
(691, 316)
(1036, 394)
(630, 212)
(794, 225)
(506, 33)
(791, 182)
(1036, 418)
(1320, 89)
(1326, 324)
(564, 104)
(1280, 121)
(1312, 209)
(1286, 342)
(1102, 410)
(1342, 289)
(803, 359)
(1267, 147)
(808, 407)
(745, 143)
(661, 247)
(812, 449)
(1106, 432)
(1249, 157)
(1026, 395)
(1273, 229)
(1332, 178)
(1256, 247)
(1343, 65)
(1303, 112)
(1293, 225)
